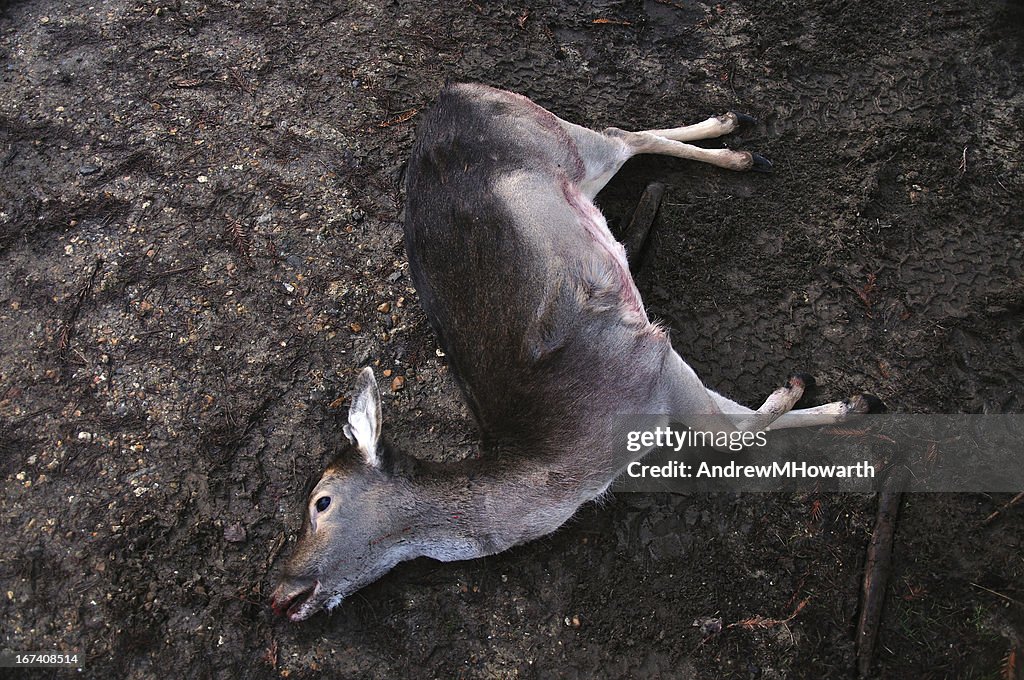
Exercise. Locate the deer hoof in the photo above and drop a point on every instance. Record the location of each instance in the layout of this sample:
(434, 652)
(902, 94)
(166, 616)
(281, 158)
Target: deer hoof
(806, 380)
(743, 119)
(761, 164)
(875, 405)
(866, 404)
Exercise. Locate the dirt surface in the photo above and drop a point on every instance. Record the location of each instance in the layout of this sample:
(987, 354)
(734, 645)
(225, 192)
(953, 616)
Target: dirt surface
(200, 235)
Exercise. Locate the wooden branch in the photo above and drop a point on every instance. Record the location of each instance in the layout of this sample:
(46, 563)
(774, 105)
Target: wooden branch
(635, 235)
(877, 568)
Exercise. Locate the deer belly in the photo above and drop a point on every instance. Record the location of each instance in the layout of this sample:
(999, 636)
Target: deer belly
(610, 254)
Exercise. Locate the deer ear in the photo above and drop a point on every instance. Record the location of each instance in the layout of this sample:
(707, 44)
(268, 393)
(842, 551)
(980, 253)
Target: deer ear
(363, 428)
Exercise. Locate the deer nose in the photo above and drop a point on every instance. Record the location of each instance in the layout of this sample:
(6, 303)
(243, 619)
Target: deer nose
(278, 600)
(287, 597)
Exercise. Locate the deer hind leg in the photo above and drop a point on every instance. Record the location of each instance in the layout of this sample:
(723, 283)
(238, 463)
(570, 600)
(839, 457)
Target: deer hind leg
(649, 142)
(604, 153)
(716, 126)
(652, 141)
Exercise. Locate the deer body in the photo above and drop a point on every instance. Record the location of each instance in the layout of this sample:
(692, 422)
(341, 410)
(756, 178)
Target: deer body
(546, 334)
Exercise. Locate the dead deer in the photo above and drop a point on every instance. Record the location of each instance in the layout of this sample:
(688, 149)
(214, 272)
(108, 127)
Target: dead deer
(535, 307)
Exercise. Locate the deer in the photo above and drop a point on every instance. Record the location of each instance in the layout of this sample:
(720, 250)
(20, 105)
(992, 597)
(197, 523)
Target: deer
(533, 303)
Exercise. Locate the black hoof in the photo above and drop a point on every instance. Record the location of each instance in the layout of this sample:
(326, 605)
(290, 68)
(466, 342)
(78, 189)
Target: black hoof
(805, 379)
(875, 405)
(743, 119)
(863, 404)
(761, 164)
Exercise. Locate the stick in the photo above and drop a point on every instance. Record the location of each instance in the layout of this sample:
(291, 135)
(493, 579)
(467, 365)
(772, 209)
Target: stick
(877, 567)
(1006, 506)
(635, 235)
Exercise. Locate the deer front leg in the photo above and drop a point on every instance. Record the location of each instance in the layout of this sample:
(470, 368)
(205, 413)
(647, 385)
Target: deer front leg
(705, 409)
(778, 403)
(832, 413)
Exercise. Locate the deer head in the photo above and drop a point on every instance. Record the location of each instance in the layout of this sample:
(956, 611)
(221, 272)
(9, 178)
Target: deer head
(358, 517)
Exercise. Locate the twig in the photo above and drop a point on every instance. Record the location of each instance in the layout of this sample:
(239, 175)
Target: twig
(865, 294)
(400, 118)
(762, 622)
(1005, 597)
(68, 328)
(187, 82)
(174, 272)
(270, 655)
(235, 232)
(1009, 669)
(1003, 508)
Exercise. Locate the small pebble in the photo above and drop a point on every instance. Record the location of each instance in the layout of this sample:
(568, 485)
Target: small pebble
(234, 533)
(709, 626)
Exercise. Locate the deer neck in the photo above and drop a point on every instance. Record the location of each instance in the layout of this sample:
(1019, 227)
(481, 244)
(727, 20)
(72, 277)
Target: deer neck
(478, 507)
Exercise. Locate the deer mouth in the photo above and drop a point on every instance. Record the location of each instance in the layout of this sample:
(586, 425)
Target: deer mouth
(298, 605)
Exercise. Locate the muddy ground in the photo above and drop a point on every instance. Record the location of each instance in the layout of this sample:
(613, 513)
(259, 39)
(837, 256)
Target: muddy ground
(200, 235)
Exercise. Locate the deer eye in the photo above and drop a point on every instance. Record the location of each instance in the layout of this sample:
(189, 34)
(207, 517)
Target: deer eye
(322, 503)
